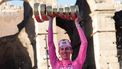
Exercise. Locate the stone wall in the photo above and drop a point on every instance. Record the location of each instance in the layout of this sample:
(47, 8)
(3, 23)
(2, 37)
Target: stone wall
(8, 26)
(41, 40)
(17, 39)
(23, 42)
(104, 35)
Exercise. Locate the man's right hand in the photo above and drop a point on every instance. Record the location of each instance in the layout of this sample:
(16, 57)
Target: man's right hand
(50, 18)
(78, 19)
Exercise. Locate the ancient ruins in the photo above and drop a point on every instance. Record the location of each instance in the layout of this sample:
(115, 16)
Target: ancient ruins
(23, 41)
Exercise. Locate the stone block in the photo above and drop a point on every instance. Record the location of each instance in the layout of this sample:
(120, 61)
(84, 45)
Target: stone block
(103, 22)
(43, 27)
(108, 59)
(100, 62)
(101, 5)
(108, 53)
(102, 65)
(9, 22)
(104, 6)
(104, 1)
(112, 59)
(61, 34)
(104, 41)
(114, 65)
(41, 50)
(107, 63)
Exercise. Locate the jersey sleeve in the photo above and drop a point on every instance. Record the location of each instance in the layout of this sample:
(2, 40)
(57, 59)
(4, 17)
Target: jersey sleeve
(83, 47)
(51, 47)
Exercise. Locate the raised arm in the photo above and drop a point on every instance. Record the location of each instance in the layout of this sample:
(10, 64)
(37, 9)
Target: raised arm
(83, 47)
(51, 46)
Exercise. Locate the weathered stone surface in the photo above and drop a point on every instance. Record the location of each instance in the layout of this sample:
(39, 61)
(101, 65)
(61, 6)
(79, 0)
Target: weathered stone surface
(41, 50)
(104, 1)
(22, 44)
(104, 6)
(101, 5)
(105, 40)
(19, 47)
(108, 59)
(10, 17)
(18, 50)
(8, 25)
(103, 64)
(114, 65)
(61, 34)
(108, 53)
(43, 27)
(104, 34)
(102, 21)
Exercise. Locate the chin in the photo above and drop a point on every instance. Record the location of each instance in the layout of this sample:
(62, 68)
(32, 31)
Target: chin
(66, 59)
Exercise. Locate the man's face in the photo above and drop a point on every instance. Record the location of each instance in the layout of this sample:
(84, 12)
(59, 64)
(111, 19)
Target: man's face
(65, 52)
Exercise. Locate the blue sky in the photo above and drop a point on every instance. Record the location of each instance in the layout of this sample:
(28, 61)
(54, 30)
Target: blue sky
(118, 0)
(60, 2)
(65, 2)
(19, 3)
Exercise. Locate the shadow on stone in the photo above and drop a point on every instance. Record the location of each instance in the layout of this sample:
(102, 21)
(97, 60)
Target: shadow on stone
(118, 25)
(18, 51)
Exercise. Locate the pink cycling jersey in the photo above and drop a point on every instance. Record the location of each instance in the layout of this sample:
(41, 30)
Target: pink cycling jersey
(67, 64)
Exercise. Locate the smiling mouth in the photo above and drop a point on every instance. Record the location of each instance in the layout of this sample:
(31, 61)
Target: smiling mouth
(65, 54)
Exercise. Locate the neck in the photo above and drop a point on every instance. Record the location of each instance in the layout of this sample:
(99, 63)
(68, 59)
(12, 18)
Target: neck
(66, 62)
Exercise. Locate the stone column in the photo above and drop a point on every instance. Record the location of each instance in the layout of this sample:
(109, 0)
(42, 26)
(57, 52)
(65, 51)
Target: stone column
(41, 38)
(104, 35)
(41, 46)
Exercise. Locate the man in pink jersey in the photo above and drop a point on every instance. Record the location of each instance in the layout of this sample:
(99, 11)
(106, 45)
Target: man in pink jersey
(65, 49)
